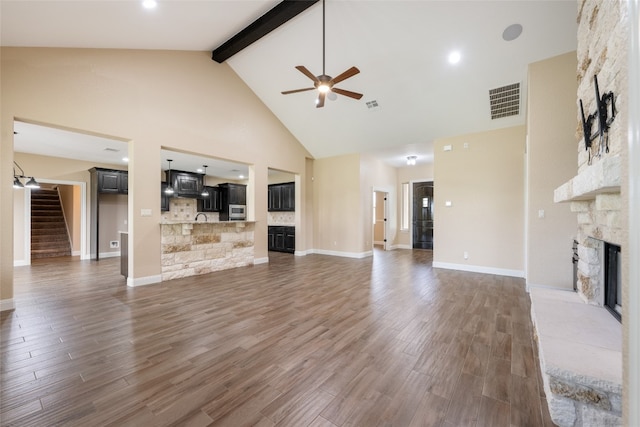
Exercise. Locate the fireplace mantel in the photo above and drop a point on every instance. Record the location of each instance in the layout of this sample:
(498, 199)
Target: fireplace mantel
(602, 177)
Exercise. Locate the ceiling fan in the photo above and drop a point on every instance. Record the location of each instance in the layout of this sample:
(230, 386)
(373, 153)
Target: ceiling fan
(325, 83)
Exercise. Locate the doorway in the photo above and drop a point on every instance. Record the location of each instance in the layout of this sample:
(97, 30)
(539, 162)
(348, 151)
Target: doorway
(423, 215)
(380, 219)
(75, 209)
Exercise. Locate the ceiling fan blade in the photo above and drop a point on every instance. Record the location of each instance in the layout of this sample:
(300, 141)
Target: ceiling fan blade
(307, 73)
(287, 92)
(349, 73)
(348, 93)
(320, 102)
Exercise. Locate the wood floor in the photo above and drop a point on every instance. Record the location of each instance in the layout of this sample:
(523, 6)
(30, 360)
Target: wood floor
(302, 341)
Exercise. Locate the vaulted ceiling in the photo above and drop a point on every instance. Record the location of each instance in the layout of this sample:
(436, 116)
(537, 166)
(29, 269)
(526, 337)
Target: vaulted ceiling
(401, 48)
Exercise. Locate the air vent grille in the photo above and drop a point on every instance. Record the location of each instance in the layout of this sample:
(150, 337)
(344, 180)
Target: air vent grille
(113, 150)
(505, 101)
(372, 104)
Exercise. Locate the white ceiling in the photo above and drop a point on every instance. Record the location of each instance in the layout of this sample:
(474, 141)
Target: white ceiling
(399, 46)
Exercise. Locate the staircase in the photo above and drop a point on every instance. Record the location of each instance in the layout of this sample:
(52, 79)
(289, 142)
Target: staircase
(49, 235)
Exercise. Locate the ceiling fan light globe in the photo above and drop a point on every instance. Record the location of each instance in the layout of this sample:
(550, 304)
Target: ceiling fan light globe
(323, 88)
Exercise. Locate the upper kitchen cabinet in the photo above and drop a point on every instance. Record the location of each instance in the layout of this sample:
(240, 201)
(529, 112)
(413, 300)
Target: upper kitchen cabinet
(233, 194)
(110, 180)
(282, 197)
(164, 198)
(185, 184)
(212, 202)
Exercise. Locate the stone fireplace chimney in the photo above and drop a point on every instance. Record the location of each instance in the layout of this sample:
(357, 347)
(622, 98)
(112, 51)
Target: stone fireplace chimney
(595, 192)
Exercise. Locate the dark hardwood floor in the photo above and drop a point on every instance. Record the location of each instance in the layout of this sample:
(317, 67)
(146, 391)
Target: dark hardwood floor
(302, 341)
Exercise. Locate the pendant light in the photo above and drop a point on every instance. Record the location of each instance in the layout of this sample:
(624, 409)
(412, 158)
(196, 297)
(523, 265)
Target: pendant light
(31, 182)
(205, 192)
(169, 189)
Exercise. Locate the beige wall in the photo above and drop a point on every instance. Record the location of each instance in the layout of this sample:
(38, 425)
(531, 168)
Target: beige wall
(153, 99)
(409, 174)
(338, 213)
(551, 161)
(485, 184)
(113, 219)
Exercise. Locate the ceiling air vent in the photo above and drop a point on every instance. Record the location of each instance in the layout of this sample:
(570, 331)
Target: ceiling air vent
(505, 101)
(113, 150)
(372, 104)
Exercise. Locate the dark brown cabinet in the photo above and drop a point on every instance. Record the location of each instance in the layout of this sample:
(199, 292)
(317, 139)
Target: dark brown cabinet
(233, 200)
(110, 181)
(281, 238)
(164, 198)
(185, 184)
(233, 194)
(212, 202)
(282, 197)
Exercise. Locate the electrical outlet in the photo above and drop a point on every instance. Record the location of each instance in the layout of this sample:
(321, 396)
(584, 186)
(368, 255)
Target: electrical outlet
(114, 244)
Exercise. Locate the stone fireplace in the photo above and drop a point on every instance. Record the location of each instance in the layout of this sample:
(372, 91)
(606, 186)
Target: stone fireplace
(580, 342)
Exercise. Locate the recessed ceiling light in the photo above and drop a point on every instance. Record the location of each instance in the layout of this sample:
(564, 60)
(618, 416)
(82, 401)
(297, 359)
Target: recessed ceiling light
(149, 4)
(125, 159)
(199, 170)
(454, 57)
(241, 176)
(512, 32)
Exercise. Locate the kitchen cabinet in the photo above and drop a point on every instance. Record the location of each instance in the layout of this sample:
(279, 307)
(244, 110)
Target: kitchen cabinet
(212, 202)
(281, 238)
(110, 181)
(233, 194)
(233, 201)
(282, 197)
(186, 184)
(164, 198)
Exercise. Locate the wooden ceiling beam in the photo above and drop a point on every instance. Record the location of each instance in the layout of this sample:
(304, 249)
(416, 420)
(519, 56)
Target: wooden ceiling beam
(281, 13)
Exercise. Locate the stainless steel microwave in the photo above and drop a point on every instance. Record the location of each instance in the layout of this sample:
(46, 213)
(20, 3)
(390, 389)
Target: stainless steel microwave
(237, 212)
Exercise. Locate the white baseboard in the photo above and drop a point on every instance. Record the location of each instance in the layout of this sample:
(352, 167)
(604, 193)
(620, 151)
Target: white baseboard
(303, 253)
(7, 304)
(402, 246)
(75, 253)
(343, 254)
(528, 287)
(479, 269)
(142, 281)
(264, 260)
(109, 254)
(21, 263)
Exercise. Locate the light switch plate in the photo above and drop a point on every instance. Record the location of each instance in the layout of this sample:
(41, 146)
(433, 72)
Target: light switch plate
(448, 203)
(145, 212)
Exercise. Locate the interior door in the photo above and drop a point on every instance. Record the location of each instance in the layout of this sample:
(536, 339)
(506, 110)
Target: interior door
(423, 215)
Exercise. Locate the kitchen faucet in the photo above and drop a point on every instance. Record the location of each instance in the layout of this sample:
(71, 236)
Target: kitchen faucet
(201, 213)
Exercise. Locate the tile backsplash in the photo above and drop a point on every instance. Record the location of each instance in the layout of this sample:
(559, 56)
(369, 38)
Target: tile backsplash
(182, 209)
(281, 218)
